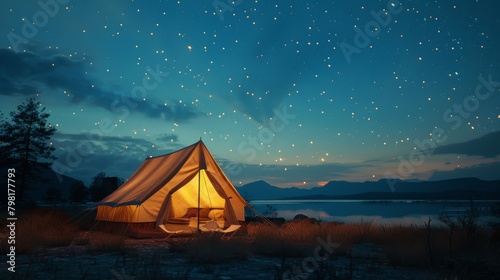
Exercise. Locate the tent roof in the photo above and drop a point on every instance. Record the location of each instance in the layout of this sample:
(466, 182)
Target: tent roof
(169, 171)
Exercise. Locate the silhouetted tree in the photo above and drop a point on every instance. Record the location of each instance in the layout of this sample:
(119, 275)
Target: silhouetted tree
(98, 190)
(5, 153)
(271, 212)
(78, 192)
(26, 143)
(95, 189)
(5, 156)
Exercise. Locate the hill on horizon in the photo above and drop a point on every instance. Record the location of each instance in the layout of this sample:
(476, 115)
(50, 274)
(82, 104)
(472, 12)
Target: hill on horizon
(36, 190)
(461, 188)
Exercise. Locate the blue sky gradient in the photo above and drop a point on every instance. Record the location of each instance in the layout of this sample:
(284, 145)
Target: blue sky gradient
(296, 93)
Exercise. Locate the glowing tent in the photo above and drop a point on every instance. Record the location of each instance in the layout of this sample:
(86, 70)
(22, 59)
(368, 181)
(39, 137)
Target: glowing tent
(175, 188)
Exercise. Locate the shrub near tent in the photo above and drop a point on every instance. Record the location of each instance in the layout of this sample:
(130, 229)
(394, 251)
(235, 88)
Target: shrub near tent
(168, 187)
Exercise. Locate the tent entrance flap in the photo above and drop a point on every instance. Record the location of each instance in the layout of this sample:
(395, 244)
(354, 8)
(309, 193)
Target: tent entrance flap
(186, 197)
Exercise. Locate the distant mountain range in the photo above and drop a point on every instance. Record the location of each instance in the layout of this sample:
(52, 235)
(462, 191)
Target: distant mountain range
(49, 179)
(464, 188)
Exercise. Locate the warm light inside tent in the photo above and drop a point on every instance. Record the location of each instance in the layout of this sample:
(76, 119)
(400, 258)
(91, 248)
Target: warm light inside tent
(187, 196)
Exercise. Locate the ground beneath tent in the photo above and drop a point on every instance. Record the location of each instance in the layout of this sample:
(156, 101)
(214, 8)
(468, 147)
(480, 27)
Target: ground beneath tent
(152, 259)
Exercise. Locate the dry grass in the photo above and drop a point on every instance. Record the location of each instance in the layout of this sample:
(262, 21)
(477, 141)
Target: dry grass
(43, 227)
(402, 245)
(455, 254)
(299, 239)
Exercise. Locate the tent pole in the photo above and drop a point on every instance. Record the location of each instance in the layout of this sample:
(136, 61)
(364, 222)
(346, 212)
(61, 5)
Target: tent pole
(199, 183)
(199, 177)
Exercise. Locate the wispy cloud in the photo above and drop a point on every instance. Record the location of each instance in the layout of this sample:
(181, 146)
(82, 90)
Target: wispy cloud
(45, 71)
(83, 155)
(486, 146)
(484, 171)
(168, 138)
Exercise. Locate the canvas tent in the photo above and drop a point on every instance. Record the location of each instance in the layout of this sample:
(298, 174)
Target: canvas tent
(168, 187)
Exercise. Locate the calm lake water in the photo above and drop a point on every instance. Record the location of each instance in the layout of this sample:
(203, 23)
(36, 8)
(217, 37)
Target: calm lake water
(381, 212)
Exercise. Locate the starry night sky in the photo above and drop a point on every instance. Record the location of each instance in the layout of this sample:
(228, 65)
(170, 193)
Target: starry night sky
(296, 93)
